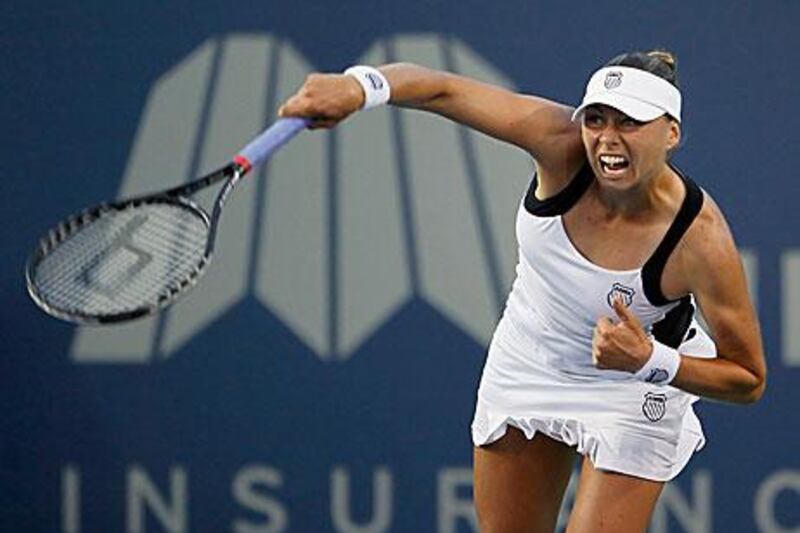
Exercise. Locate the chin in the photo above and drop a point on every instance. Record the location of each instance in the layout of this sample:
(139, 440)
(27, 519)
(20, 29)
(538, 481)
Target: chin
(624, 181)
(618, 182)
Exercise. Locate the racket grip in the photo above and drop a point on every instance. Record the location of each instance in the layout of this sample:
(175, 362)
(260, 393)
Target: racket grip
(263, 146)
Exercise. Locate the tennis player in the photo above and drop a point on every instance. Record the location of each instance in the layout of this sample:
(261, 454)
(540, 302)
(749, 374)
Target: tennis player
(598, 353)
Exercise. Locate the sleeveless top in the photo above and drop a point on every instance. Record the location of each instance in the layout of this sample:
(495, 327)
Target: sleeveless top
(558, 294)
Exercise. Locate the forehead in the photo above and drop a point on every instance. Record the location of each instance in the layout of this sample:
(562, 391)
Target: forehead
(605, 110)
(612, 114)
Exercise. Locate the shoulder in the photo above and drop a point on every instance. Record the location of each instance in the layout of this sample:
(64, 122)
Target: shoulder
(554, 141)
(555, 172)
(708, 251)
(709, 232)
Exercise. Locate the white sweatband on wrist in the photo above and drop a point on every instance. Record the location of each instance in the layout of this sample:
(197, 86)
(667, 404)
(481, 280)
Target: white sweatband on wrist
(376, 87)
(662, 366)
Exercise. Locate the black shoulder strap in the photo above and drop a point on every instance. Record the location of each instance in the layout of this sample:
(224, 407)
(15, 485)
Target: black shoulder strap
(563, 200)
(654, 267)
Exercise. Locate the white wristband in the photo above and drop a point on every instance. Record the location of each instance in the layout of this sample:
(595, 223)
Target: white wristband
(662, 366)
(376, 87)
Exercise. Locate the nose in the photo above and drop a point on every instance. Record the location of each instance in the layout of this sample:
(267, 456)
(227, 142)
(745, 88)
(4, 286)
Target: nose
(609, 127)
(608, 134)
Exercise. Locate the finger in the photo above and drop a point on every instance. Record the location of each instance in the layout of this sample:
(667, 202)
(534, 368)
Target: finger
(624, 313)
(301, 105)
(596, 359)
(291, 107)
(621, 309)
(604, 323)
(604, 333)
(322, 123)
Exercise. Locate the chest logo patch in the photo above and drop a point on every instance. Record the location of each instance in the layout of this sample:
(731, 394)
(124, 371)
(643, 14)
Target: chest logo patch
(618, 290)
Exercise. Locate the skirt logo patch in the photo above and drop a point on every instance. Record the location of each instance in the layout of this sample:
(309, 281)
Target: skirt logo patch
(654, 406)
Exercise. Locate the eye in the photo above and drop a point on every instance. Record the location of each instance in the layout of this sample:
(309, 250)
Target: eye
(628, 122)
(592, 119)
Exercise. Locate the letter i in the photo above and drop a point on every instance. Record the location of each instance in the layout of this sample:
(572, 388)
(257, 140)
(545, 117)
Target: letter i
(70, 499)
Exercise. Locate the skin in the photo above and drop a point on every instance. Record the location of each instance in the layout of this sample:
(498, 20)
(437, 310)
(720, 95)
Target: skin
(507, 499)
(616, 224)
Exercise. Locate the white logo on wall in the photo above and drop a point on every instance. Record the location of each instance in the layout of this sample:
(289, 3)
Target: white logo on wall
(341, 229)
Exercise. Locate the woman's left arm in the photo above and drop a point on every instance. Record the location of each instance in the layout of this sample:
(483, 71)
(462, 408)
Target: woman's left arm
(713, 271)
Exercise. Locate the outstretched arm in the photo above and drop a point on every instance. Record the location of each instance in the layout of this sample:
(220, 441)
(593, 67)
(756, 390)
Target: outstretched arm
(540, 126)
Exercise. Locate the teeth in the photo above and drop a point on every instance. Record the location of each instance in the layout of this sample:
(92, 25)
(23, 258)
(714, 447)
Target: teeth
(612, 159)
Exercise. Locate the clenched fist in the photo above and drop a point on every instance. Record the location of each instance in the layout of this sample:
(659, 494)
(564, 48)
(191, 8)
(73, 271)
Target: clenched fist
(620, 345)
(326, 98)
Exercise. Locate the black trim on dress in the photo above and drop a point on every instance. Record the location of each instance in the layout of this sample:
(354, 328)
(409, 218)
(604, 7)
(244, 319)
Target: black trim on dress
(562, 201)
(671, 329)
(654, 266)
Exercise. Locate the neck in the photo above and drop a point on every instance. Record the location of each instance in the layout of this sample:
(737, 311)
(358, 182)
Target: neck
(637, 200)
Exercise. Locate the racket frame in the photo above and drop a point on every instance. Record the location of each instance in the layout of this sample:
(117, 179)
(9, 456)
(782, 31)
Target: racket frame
(73, 224)
(254, 153)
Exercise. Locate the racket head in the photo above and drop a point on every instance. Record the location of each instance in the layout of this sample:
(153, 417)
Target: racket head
(120, 261)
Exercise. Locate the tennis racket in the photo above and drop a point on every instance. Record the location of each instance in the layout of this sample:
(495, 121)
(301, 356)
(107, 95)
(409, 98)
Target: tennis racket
(132, 258)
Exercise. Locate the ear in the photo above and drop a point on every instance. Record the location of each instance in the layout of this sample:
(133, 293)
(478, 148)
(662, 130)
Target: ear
(673, 135)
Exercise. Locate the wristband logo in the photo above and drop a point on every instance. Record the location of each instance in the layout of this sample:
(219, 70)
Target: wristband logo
(657, 375)
(654, 406)
(375, 81)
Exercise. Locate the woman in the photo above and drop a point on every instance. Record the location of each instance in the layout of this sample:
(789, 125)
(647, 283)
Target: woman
(597, 353)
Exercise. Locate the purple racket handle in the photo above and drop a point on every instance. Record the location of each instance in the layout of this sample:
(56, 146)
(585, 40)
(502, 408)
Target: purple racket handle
(263, 146)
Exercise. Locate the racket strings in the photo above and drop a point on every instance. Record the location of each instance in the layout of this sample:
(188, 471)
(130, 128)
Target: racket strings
(98, 246)
(124, 260)
(123, 272)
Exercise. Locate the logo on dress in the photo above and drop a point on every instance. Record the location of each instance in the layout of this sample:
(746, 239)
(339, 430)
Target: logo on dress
(618, 290)
(613, 79)
(654, 406)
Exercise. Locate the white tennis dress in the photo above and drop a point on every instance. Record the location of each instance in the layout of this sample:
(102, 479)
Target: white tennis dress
(539, 375)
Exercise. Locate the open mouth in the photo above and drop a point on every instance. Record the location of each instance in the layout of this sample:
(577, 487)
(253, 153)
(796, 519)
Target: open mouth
(613, 164)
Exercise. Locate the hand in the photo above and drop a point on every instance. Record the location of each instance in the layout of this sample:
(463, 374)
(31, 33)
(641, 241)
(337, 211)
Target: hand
(326, 98)
(622, 345)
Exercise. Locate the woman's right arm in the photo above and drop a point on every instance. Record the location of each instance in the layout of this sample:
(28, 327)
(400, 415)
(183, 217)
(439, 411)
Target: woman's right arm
(541, 127)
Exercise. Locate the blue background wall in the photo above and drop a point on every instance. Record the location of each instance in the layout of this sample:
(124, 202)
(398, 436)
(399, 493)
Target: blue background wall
(247, 390)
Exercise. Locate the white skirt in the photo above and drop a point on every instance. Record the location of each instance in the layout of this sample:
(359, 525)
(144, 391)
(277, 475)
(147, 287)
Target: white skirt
(629, 427)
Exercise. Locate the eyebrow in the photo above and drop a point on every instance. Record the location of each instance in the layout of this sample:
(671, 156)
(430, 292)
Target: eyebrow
(599, 110)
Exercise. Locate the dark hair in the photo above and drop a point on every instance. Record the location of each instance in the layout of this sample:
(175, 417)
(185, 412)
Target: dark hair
(662, 63)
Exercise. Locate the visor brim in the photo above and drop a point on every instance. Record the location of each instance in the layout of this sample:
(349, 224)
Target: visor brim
(633, 107)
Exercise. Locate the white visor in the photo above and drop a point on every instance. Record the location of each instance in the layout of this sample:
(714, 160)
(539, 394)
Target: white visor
(637, 93)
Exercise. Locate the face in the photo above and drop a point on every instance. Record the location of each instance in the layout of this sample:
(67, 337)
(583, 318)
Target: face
(624, 152)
